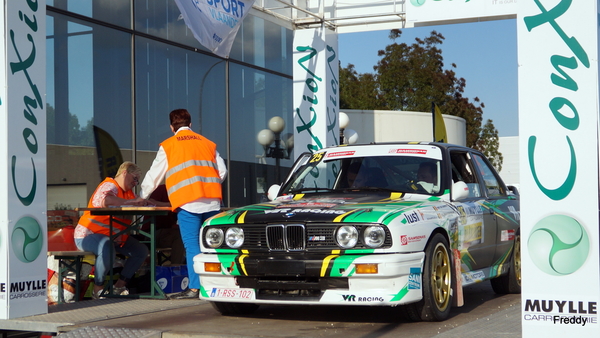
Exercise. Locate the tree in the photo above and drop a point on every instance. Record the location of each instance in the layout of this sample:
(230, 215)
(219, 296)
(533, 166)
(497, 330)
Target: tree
(359, 90)
(410, 78)
(489, 145)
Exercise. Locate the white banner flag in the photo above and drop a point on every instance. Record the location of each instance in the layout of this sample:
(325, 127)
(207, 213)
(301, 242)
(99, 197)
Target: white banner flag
(215, 22)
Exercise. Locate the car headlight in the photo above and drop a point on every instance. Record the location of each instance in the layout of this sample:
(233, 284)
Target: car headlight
(374, 236)
(214, 237)
(347, 236)
(234, 237)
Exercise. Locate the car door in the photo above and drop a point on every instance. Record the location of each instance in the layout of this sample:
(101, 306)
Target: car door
(503, 209)
(476, 223)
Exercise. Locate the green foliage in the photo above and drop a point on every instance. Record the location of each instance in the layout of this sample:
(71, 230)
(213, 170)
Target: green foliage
(489, 145)
(410, 78)
(76, 135)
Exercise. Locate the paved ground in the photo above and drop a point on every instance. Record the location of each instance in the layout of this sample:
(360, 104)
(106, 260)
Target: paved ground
(196, 318)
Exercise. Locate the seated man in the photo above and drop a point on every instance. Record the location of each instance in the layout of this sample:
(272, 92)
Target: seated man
(427, 173)
(356, 176)
(93, 231)
(427, 177)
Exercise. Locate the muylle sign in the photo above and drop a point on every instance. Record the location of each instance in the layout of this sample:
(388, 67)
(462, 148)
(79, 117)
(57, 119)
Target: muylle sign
(23, 171)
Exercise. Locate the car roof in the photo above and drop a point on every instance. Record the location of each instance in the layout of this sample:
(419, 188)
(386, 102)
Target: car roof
(403, 143)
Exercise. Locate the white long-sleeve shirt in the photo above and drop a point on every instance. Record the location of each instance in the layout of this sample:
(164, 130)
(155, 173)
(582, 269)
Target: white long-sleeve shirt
(156, 175)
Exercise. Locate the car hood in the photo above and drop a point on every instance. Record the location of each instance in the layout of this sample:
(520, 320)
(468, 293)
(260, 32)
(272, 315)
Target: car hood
(367, 208)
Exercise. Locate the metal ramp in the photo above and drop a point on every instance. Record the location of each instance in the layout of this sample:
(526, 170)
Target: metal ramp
(105, 332)
(64, 317)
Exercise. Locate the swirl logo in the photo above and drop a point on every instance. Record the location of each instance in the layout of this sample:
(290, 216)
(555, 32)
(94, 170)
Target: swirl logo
(417, 3)
(558, 245)
(27, 239)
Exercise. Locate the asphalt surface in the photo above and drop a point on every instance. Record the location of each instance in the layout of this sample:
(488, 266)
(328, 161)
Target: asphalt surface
(484, 315)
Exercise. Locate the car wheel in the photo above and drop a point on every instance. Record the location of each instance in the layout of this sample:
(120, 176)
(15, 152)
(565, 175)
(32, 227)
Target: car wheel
(437, 283)
(510, 282)
(228, 309)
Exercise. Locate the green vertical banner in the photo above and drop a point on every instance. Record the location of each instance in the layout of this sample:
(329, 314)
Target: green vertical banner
(23, 222)
(109, 153)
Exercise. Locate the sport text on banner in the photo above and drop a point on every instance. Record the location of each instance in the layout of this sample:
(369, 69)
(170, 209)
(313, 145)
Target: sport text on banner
(215, 23)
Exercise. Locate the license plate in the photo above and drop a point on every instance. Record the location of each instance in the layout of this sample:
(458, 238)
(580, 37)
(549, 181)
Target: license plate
(232, 293)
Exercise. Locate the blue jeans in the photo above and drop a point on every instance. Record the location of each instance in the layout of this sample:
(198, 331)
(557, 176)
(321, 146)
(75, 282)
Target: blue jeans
(135, 252)
(189, 225)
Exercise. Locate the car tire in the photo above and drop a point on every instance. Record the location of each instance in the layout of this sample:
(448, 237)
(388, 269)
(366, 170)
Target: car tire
(510, 282)
(436, 283)
(234, 309)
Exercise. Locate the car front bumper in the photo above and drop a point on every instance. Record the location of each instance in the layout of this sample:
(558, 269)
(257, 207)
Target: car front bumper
(333, 279)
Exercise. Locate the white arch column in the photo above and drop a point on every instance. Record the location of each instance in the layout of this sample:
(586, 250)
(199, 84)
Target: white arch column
(558, 132)
(23, 225)
(316, 90)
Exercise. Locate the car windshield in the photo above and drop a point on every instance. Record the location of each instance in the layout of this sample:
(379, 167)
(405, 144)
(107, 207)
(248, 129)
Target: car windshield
(409, 174)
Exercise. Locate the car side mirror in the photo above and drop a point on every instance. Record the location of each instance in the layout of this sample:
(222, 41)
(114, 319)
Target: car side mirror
(273, 191)
(460, 191)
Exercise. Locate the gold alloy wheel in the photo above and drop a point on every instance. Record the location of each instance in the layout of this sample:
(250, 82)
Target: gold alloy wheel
(517, 259)
(440, 277)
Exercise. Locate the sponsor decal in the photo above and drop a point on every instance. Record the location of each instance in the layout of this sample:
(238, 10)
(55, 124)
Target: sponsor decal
(516, 214)
(471, 234)
(408, 151)
(305, 211)
(558, 245)
(507, 235)
(561, 312)
(340, 153)
(413, 217)
(414, 279)
(309, 204)
(406, 240)
(27, 289)
(473, 277)
(27, 239)
(354, 298)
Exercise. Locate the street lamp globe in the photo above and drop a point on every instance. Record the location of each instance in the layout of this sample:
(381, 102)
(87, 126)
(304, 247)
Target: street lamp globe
(277, 124)
(344, 120)
(350, 136)
(265, 137)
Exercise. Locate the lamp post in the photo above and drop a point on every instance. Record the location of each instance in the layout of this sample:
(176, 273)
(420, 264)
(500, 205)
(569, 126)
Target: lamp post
(347, 136)
(273, 135)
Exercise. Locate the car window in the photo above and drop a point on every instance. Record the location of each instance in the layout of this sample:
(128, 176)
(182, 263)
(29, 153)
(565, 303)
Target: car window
(462, 170)
(491, 182)
(410, 174)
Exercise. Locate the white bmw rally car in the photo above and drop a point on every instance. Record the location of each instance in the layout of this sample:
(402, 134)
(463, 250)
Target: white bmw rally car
(399, 224)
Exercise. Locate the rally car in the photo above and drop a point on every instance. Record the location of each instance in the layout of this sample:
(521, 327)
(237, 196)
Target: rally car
(402, 224)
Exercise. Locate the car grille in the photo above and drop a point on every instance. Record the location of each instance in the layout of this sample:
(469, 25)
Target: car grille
(289, 237)
(294, 237)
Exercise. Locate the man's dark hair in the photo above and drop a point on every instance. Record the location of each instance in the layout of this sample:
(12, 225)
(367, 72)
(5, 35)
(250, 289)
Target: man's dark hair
(180, 118)
(429, 166)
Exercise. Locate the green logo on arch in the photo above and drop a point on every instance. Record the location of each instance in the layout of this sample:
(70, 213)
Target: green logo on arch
(27, 239)
(558, 245)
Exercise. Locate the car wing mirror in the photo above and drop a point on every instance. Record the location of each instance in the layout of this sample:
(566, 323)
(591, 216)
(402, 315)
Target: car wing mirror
(273, 191)
(460, 191)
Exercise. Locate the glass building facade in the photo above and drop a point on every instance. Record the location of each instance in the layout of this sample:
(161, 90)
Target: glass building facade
(123, 65)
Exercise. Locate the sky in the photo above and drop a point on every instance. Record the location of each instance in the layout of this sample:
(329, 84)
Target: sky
(485, 54)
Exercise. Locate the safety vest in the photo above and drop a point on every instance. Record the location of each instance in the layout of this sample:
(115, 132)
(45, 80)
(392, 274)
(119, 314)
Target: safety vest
(192, 171)
(101, 224)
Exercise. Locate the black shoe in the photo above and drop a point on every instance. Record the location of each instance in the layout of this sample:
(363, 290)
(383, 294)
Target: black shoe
(186, 294)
